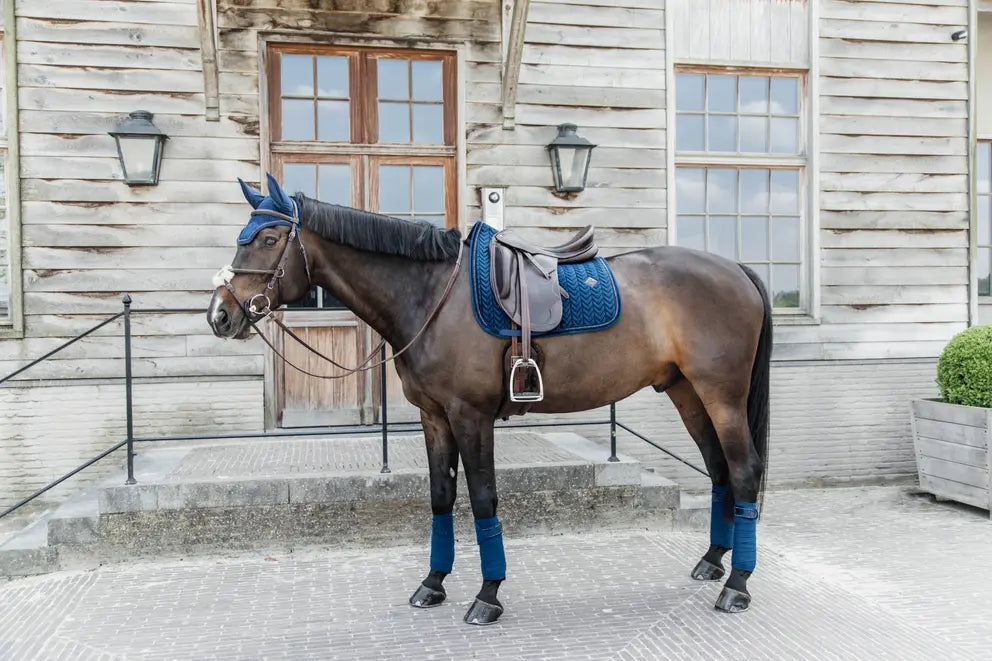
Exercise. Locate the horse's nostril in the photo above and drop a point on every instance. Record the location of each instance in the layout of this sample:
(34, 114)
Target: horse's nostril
(221, 316)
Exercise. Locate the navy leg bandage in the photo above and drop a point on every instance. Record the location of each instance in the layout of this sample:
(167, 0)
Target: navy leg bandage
(489, 534)
(745, 536)
(721, 530)
(443, 542)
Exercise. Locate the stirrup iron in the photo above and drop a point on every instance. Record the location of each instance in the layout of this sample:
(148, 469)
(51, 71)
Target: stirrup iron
(526, 395)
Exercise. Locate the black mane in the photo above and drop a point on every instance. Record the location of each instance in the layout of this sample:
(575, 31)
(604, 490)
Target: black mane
(373, 232)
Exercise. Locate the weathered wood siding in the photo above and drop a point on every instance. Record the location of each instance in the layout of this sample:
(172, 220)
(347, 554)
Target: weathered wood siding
(87, 237)
(893, 181)
(751, 32)
(602, 68)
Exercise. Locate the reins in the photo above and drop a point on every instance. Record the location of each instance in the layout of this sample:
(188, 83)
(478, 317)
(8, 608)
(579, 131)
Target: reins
(248, 307)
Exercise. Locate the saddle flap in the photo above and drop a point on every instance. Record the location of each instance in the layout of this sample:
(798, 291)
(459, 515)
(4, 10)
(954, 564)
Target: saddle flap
(543, 293)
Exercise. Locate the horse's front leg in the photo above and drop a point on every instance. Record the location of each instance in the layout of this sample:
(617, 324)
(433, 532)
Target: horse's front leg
(442, 458)
(473, 433)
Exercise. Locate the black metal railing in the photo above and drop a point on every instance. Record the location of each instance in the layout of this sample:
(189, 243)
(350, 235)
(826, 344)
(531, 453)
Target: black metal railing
(330, 430)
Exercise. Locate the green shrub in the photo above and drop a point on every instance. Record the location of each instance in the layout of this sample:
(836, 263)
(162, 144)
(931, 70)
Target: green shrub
(964, 372)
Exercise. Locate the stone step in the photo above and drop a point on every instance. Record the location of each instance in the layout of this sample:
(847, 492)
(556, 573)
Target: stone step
(278, 496)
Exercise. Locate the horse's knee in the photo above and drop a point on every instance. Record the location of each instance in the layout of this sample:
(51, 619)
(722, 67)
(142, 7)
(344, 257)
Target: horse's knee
(443, 496)
(484, 499)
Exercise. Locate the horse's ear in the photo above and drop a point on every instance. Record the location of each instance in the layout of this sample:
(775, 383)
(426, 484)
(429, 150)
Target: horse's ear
(279, 196)
(253, 196)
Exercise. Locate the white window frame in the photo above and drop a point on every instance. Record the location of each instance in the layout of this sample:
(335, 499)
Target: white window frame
(12, 323)
(801, 162)
(983, 299)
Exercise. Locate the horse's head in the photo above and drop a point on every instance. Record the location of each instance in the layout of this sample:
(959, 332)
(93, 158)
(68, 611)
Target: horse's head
(269, 267)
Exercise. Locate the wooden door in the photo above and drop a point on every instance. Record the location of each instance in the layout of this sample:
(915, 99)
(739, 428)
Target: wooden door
(372, 129)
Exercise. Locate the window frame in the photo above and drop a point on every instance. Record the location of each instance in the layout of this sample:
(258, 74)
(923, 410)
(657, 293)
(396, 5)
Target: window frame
(801, 162)
(363, 151)
(983, 299)
(12, 323)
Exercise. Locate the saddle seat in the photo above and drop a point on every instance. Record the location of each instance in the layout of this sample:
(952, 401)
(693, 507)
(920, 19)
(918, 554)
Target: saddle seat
(524, 280)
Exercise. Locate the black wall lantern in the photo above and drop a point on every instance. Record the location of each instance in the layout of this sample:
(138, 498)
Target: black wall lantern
(139, 146)
(570, 155)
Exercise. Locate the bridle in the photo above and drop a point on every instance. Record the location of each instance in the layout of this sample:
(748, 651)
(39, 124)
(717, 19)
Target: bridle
(255, 314)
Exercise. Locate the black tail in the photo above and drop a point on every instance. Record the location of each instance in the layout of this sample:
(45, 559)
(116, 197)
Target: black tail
(758, 395)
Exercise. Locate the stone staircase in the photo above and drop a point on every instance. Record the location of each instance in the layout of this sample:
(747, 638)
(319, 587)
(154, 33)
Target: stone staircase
(279, 494)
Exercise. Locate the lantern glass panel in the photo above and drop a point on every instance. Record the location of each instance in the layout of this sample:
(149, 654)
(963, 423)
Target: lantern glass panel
(572, 166)
(138, 157)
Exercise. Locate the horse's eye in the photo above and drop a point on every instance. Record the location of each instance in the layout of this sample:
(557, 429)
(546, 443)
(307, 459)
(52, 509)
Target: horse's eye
(270, 240)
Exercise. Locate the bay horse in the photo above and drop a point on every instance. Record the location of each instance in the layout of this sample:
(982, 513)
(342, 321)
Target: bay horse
(694, 325)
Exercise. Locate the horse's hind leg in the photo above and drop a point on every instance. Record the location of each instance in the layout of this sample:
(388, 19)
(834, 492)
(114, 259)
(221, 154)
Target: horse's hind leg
(700, 427)
(473, 432)
(442, 458)
(729, 416)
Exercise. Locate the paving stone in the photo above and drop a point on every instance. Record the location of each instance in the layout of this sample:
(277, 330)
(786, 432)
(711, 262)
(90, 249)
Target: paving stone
(871, 573)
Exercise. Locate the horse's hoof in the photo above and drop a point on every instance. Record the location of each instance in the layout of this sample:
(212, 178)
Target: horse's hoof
(707, 571)
(732, 601)
(426, 597)
(482, 613)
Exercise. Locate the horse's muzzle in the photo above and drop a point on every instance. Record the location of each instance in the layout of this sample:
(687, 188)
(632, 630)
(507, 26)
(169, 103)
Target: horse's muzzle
(226, 320)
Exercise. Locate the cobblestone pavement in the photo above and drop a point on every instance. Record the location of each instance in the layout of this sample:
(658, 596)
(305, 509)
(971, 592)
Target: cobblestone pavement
(870, 573)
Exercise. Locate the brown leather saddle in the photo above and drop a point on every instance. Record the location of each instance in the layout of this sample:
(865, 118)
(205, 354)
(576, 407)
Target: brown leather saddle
(524, 279)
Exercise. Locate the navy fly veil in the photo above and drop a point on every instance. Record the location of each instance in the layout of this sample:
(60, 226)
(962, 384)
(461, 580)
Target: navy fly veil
(593, 301)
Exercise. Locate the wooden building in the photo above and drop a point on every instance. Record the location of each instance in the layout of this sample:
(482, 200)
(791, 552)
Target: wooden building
(841, 147)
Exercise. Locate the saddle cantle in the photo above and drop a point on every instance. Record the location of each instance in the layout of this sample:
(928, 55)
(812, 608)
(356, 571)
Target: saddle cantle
(524, 280)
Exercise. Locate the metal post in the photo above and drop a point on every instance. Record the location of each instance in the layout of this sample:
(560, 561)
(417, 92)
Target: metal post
(127, 389)
(613, 433)
(384, 411)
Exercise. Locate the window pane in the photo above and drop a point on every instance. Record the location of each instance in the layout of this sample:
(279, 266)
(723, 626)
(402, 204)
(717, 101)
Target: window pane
(785, 96)
(784, 135)
(428, 188)
(721, 92)
(985, 220)
(394, 79)
(394, 189)
(722, 133)
(434, 219)
(754, 134)
(785, 191)
(335, 183)
(297, 119)
(689, 93)
(785, 285)
(300, 178)
(754, 94)
(427, 80)
(689, 133)
(428, 123)
(690, 232)
(723, 236)
(785, 239)
(297, 75)
(333, 120)
(394, 122)
(984, 167)
(754, 190)
(985, 272)
(332, 77)
(754, 238)
(762, 271)
(690, 189)
(721, 190)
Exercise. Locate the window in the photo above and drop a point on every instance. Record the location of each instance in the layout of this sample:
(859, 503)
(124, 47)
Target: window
(368, 128)
(739, 177)
(985, 218)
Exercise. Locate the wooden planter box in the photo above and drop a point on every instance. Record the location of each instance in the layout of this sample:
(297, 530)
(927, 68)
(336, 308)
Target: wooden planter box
(954, 451)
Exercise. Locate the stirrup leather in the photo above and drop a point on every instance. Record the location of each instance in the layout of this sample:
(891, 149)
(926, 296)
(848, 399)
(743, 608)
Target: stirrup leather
(526, 395)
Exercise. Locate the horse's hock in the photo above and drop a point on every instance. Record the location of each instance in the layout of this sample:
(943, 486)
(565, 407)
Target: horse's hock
(280, 494)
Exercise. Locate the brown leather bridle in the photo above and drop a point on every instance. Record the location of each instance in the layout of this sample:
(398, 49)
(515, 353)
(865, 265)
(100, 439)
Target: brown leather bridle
(254, 314)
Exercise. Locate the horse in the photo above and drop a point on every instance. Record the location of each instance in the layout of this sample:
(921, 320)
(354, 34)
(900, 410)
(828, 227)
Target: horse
(694, 325)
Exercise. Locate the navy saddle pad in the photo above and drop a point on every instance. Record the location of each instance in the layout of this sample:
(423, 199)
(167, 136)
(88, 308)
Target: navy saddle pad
(593, 301)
